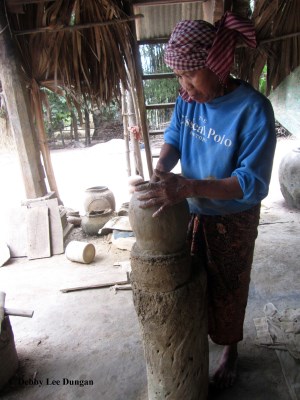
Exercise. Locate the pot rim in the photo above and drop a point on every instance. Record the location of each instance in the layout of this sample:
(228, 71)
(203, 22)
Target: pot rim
(96, 188)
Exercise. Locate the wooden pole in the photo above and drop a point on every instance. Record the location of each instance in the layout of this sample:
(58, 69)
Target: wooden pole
(16, 98)
(43, 142)
(137, 83)
(144, 126)
(18, 313)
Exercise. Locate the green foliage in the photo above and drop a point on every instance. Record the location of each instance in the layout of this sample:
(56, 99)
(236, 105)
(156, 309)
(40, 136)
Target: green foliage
(58, 114)
(157, 91)
(160, 90)
(263, 81)
(152, 56)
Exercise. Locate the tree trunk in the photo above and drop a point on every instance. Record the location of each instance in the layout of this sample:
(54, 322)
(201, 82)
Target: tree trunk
(97, 123)
(62, 138)
(87, 127)
(75, 126)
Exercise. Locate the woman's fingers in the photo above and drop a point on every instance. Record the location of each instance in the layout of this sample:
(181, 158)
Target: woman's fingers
(161, 192)
(151, 202)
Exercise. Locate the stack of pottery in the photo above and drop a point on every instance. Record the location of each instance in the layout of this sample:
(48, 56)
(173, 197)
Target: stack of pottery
(99, 206)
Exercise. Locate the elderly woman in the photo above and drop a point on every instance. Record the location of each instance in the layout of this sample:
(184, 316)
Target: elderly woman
(223, 133)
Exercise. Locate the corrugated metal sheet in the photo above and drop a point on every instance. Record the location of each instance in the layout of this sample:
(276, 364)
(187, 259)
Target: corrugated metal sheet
(159, 20)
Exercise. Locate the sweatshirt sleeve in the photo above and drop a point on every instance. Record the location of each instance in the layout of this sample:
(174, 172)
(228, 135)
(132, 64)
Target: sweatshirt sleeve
(256, 152)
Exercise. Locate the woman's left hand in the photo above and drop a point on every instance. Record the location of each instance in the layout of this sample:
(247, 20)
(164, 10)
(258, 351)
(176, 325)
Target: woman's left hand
(168, 190)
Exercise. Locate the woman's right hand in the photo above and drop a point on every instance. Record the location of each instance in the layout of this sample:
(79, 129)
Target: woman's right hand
(165, 190)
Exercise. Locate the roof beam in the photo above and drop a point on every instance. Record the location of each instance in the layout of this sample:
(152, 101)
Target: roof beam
(163, 2)
(153, 41)
(163, 75)
(49, 29)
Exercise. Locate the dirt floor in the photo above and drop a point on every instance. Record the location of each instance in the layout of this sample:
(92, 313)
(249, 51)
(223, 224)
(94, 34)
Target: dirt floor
(93, 335)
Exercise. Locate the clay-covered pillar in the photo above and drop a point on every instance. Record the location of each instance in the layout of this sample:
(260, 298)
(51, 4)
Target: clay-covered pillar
(169, 293)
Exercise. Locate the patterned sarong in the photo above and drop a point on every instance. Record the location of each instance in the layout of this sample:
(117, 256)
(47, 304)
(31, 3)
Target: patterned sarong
(225, 244)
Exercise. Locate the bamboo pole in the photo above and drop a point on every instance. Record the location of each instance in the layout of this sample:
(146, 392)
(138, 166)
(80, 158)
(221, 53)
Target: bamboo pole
(141, 104)
(125, 129)
(132, 120)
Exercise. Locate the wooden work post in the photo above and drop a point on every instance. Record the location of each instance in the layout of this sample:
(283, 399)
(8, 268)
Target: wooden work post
(19, 114)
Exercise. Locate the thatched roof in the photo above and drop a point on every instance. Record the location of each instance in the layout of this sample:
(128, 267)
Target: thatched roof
(84, 46)
(88, 47)
(277, 25)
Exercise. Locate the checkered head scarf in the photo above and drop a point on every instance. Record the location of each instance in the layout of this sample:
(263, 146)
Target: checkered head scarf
(196, 44)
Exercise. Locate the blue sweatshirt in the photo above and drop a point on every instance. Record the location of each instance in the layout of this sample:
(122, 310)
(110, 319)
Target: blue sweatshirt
(232, 135)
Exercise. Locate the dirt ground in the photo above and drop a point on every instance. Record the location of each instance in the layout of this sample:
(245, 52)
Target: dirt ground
(93, 335)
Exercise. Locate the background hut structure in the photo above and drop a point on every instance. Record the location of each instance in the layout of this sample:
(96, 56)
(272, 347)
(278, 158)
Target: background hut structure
(89, 49)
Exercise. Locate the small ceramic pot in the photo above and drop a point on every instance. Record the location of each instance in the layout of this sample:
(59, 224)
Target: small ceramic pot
(92, 222)
(99, 198)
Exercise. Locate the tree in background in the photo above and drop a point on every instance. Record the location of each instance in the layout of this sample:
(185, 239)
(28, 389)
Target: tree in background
(157, 91)
(57, 113)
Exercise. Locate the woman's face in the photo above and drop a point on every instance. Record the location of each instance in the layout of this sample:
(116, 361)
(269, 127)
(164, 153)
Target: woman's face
(202, 85)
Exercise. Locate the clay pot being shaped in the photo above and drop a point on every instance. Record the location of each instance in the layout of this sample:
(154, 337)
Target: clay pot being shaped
(289, 178)
(99, 198)
(164, 234)
(92, 222)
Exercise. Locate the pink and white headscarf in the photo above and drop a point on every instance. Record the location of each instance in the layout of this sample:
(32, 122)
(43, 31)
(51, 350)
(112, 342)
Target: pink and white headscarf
(196, 44)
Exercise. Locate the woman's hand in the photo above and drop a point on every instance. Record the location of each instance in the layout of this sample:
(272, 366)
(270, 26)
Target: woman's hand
(163, 190)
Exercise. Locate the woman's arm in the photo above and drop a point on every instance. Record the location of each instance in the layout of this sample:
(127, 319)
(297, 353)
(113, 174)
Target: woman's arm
(168, 158)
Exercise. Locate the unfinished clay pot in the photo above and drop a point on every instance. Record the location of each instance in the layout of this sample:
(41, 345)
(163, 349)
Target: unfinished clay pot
(99, 198)
(164, 234)
(289, 178)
